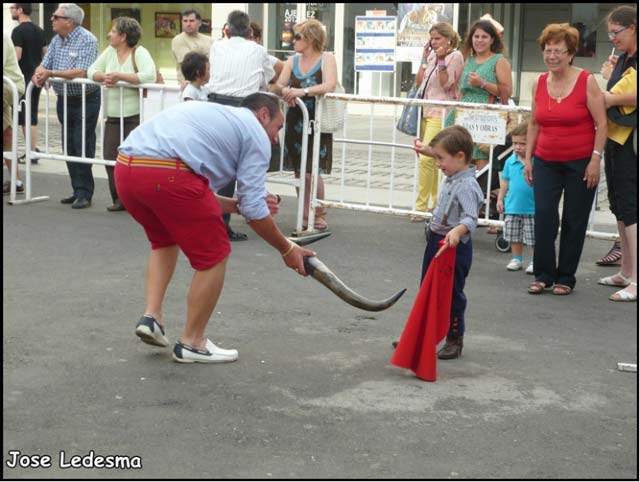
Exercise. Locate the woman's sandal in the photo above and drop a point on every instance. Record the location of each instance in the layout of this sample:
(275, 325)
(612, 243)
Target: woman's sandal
(537, 287)
(624, 295)
(611, 281)
(613, 257)
(320, 223)
(562, 290)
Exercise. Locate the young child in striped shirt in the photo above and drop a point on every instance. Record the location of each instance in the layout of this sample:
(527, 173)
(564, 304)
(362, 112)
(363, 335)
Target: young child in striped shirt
(454, 220)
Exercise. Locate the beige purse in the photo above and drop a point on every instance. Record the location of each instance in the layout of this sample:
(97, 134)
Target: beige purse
(332, 110)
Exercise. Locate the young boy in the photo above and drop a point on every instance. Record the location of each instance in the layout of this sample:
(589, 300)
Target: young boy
(195, 68)
(454, 220)
(515, 199)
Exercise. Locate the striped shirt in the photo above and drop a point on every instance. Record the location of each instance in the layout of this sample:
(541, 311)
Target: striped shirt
(459, 202)
(238, 67)
(77, 51)
(219, 142)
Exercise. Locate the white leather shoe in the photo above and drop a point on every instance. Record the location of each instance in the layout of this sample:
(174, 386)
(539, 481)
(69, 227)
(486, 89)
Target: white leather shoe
(211, 354)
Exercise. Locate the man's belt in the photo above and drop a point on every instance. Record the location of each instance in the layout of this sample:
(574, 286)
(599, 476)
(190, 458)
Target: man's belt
(225, 99)
(136, 161)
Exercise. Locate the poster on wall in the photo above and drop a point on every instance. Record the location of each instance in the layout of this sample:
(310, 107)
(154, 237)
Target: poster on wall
(288, 20)
(414, 22)
(375, 44)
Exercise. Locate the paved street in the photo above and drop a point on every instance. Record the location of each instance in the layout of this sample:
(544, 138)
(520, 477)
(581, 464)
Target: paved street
(535, 395)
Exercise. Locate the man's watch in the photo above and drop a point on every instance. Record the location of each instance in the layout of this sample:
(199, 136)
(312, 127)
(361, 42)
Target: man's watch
(306, 91)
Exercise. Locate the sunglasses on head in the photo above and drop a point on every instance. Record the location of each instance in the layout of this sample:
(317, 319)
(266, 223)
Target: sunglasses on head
(298, 36)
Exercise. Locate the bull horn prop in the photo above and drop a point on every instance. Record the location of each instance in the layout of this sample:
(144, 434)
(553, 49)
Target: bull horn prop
(318, 270)
(324, 275)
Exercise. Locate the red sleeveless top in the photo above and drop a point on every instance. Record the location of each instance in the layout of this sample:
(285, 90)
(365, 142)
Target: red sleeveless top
(566, 129)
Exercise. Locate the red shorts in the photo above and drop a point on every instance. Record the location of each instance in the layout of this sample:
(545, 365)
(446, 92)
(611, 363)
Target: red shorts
(175, 206)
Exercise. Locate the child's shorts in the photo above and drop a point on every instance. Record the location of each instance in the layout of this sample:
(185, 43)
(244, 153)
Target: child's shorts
(519, 228)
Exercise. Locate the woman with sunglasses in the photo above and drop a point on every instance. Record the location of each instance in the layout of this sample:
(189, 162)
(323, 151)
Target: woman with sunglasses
(305, 76)
(621, 159)
(565, 140)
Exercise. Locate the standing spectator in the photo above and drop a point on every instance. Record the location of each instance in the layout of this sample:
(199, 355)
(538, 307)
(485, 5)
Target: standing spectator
(190, 40)
(486, 78)
(487, 73)
(239, 67)
(72, 51)
(442, 64)
(276, 63)
(305, 76)
(565, 139)
(195, 68)
(621, 158)
(31, 46)
(11, 69)
(515, 199)
(122, 61)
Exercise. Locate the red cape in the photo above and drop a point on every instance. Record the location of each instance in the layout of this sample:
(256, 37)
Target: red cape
(428, 321)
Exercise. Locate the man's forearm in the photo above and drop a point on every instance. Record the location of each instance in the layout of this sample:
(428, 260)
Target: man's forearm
(267, 229)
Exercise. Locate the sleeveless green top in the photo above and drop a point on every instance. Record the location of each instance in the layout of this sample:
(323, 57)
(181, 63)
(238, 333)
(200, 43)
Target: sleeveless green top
(486, 70)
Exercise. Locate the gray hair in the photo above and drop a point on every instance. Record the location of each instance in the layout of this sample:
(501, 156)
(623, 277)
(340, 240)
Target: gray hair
(71, 10)
(239, 24)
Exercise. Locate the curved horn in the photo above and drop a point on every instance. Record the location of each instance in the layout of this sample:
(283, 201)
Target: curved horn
(324, 275)
(311, 238)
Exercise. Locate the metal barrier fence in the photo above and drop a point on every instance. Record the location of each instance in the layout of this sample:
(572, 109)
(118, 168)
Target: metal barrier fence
(145, 104)
(13, 154)
(404, 208)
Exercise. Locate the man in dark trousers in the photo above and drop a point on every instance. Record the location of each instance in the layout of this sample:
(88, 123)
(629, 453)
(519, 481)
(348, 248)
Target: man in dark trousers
(31, 45)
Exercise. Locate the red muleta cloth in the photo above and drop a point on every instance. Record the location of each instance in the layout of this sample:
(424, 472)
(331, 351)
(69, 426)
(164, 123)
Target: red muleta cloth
(428, 321)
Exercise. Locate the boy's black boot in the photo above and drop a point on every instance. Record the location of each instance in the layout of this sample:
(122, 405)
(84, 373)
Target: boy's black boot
(452, 348)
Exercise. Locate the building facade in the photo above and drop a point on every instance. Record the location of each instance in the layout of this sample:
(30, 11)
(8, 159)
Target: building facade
(523, 23)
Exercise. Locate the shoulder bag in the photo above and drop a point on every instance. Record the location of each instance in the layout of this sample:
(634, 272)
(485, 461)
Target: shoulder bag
(159, 78)
(332, 111)
(410, 116)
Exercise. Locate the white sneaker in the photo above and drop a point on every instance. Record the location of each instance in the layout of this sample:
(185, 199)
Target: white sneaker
(212, 354)
(514, 265)
(529, 269)
(150, 331)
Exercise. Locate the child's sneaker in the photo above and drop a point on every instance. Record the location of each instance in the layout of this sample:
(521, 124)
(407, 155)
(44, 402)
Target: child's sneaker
(514, 265)
(529, 269)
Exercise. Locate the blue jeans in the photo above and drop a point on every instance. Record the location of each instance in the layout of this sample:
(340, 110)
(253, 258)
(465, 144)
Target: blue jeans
(550, 180)
(80, 173)
(464, 256)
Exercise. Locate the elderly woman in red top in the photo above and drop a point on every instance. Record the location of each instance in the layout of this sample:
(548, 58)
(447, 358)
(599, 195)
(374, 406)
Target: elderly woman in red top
(565, 139)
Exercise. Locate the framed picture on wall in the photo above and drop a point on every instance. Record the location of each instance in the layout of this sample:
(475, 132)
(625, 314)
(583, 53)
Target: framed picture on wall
(126, 12)
(167, 24)
(205, 26)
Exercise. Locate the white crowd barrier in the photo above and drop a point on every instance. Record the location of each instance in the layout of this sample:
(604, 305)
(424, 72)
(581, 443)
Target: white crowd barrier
(361, 199)
(12, 155)
(159, 97)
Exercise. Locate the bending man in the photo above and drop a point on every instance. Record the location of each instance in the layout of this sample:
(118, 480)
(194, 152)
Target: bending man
(166, 173)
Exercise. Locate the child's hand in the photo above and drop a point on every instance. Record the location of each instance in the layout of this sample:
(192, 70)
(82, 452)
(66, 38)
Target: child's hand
(451, 240)
(500, 206)
(421, 148)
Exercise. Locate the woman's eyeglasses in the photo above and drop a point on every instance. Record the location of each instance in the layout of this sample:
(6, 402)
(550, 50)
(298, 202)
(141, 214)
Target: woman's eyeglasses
(614, 33)
(557, 53)
(298, 36)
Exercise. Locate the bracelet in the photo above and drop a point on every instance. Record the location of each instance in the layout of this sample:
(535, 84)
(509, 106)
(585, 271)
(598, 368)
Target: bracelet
(597, 153)
(288, 251)
(484, 84)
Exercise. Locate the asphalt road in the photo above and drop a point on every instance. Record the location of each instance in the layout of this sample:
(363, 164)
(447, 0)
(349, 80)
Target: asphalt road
(536, 394)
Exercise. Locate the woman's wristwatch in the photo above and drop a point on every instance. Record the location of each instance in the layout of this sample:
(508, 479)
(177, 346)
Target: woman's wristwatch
(306, 91)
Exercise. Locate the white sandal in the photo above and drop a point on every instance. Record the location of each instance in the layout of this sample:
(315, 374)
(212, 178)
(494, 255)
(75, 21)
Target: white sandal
(624, 295)
(610, 281)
